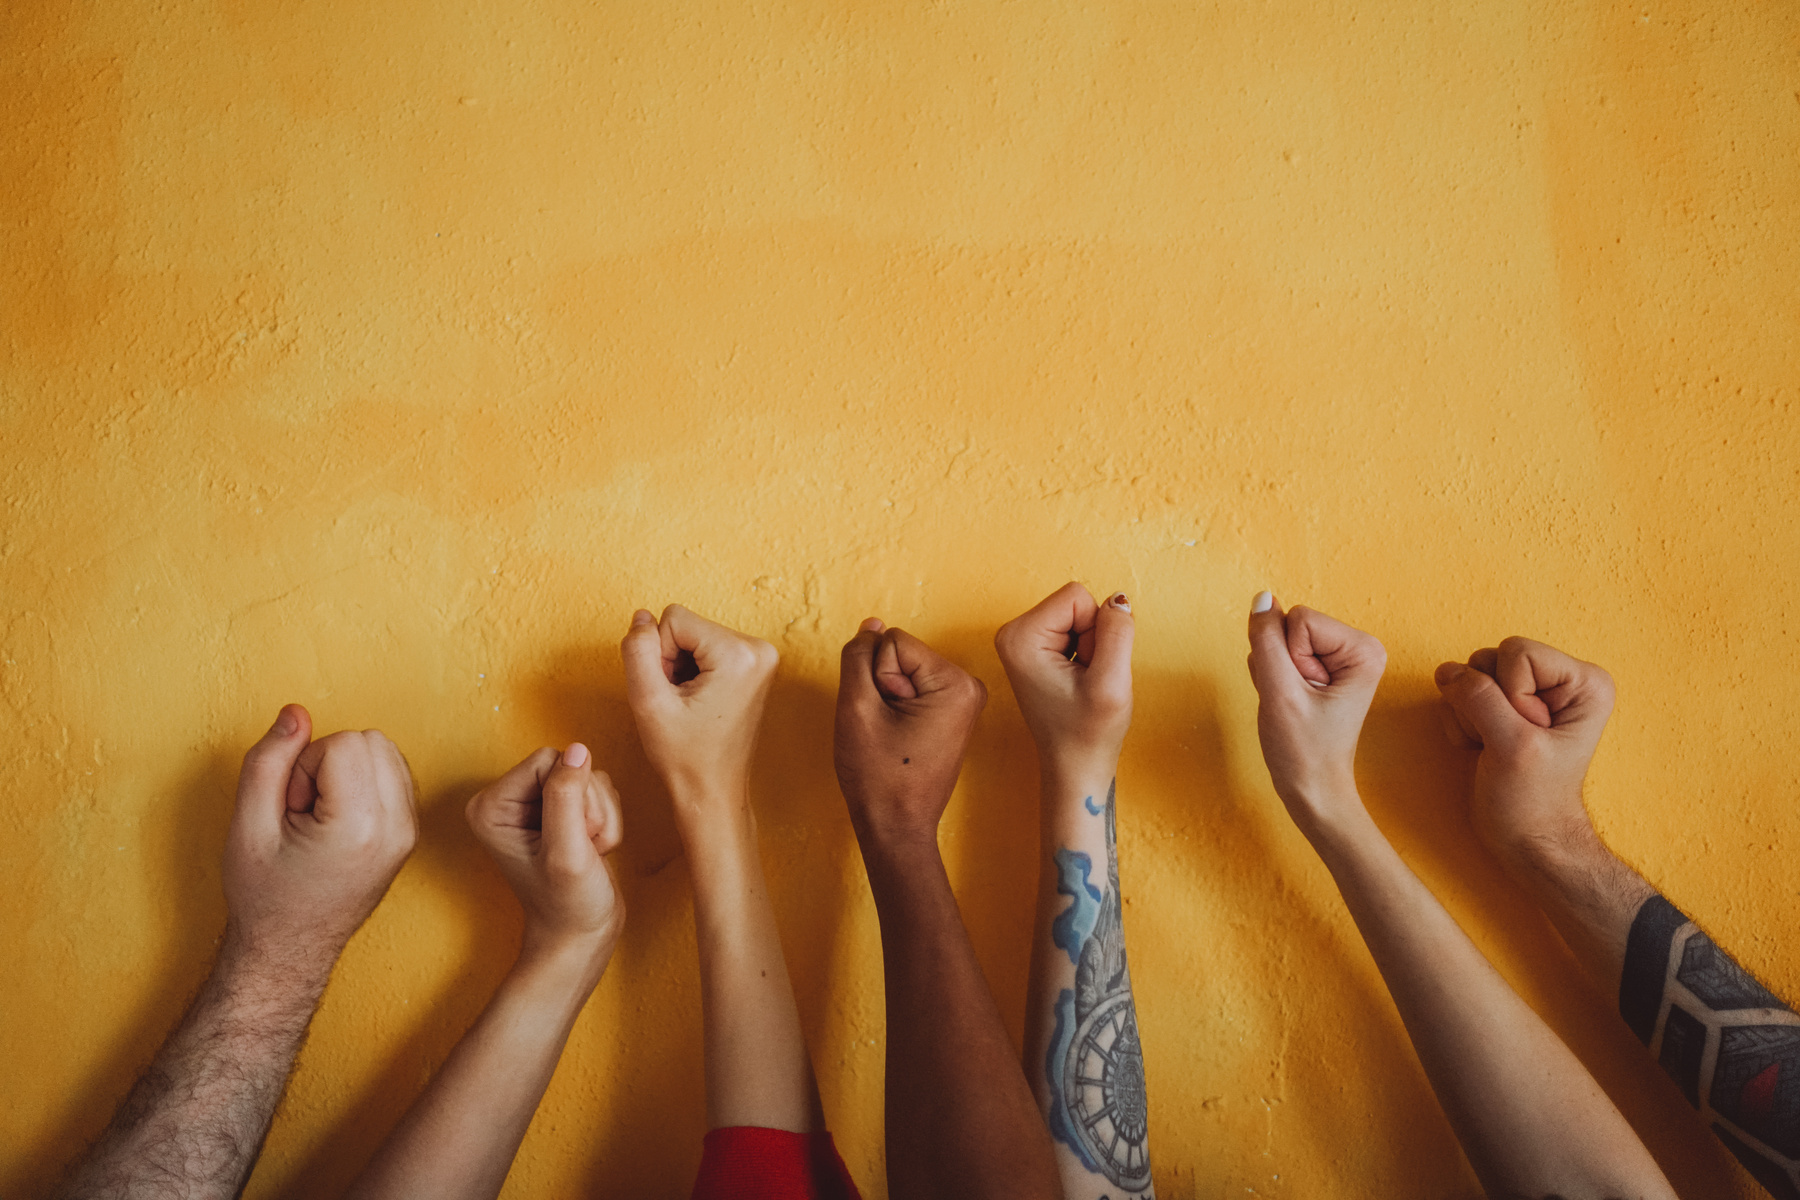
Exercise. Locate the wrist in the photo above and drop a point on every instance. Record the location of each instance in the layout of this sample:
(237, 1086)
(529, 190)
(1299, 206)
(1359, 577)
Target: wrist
(1564, 859)
(1326, 809)
(266, 968)
(890, 851)
(1066, 768)
(565, 962)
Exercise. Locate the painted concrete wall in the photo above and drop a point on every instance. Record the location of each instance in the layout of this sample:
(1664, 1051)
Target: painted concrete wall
(384, 356)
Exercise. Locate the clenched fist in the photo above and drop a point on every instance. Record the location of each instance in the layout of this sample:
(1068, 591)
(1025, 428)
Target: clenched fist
(320, 830)
(1537, 714)
(1315, 677)
(697, 690)
(1069, 662)
(904, 715)
(549, 824)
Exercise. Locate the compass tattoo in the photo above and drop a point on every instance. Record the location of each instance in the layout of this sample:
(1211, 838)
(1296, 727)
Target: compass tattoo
(1729, 1044)
(1095, 1065)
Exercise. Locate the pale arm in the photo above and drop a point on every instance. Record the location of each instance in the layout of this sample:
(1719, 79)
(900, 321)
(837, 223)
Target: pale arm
(548, 824)
(1069, 662)
(1529, 1116)
(459, 1139)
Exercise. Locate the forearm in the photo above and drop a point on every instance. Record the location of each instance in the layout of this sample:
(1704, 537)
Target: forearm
(758, 1068)
(1083, 1055)
(194, 1123)
(1531, 1119)
(960, 1119)
(1727, 1041)
(1589, 894)
(459, 1139)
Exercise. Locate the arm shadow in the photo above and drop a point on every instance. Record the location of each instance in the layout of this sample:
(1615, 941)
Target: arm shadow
(1260, 943)
(453, 872)
(1416, 784)
(188, 839)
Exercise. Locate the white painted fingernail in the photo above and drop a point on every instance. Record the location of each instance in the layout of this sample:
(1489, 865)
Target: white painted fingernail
(1263, 603)
(1121, 603)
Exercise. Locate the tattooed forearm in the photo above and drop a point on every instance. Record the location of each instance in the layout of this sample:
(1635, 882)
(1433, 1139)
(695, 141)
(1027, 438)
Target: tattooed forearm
(1731, 1046)
(1095, 1066)
(193, 1125)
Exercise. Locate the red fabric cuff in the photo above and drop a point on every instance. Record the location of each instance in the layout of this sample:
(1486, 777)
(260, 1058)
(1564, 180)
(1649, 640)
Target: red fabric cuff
(744, 1162)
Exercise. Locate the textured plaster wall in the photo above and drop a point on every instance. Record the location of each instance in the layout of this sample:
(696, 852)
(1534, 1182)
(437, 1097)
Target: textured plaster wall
(384, 356)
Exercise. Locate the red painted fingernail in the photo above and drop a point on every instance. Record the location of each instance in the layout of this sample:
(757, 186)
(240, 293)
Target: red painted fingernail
(1121, 603)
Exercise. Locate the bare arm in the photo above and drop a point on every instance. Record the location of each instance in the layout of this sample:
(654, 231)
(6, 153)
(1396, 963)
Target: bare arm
(1530, 1118)
(960, 1119)
(1730, 1045)
(195, 1122)
(549, 823)
(319, 831)
(699, 725)
(1069, 661)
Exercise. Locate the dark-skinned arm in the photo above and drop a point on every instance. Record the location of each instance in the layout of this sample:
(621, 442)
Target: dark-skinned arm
(961, 1121)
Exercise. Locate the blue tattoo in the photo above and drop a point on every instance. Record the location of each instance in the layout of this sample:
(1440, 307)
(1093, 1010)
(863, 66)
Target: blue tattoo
(1099, 1107)
(1075, 924)
(1088, 803)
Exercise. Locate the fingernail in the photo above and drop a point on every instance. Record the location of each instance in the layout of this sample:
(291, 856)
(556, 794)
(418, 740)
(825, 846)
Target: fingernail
(1263, 603)
(1121, 603)
(576, 755)
(643, 616)
(286, 723)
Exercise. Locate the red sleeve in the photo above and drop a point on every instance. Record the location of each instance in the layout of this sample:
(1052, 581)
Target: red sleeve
(743, 1162)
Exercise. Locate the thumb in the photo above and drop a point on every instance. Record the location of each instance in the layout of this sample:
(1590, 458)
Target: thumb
(856, 671)
(263, 783)
(1479, 703)
(1113, 633)
(642, 652)
(568, 850)
(1271, 666)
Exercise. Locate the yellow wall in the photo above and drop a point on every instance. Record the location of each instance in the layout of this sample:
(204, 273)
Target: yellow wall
(384, 356)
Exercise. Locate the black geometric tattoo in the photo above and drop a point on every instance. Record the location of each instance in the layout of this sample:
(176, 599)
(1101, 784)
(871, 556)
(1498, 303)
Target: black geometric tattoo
(1730, 1045)
(1095, 1064)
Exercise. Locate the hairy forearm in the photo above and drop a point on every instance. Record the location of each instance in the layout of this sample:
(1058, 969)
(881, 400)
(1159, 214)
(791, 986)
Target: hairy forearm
(459, 1139)
(960, 1118)
(1083, 1055)
(194, 1123)
(1530, 1118)
(1589, 894)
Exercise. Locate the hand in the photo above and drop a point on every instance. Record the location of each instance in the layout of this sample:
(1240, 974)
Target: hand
(549, 824)
(320, 830)
(1069, 662)
(1315, 677)
(1537, 714)
(904, 715)
(697, 691)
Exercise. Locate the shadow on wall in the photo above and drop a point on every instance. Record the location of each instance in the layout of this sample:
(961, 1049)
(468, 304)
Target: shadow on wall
(992, 849)
(1416, 784)
(190, 841)
(1414, 781)
(1236, 858)
(451, 864)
